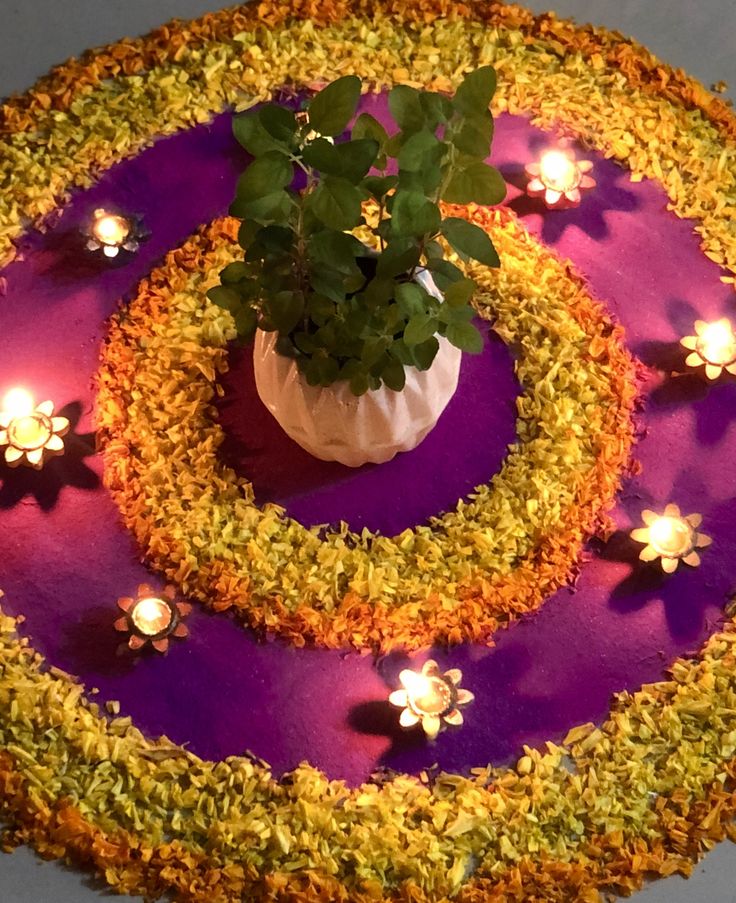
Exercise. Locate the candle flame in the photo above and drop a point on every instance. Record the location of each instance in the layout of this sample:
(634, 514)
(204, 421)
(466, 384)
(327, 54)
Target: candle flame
(671, 535)
(111, 229)
(718, 342)
(18, 403)
(151, 615)
(558, 171)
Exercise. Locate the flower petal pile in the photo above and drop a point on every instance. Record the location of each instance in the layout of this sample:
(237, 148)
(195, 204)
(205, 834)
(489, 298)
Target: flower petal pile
(497, 556)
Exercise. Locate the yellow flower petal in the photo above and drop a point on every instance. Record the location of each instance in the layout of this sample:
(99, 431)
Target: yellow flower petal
(398, 698)
(46, 408)
(35, 457)
(454, 717)
(669, 565)
(455, 676)
(408, 718)
(431, 725)
(60, 425)
(13, 455)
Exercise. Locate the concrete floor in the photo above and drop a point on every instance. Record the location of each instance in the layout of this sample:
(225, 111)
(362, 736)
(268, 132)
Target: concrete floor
(36, 34)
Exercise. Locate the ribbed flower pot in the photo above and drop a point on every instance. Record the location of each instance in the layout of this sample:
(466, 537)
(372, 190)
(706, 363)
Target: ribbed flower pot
(334, 425)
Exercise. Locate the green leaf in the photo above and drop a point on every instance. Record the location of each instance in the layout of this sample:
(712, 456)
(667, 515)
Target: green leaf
(246, 322)
(234, 273)
(393, 375)
(420, 328)
(279, 122)
(413, 214)
(285, 346)
(350, 160)
(331, 110)
(379, 186)
(437, 108)
(367, 126)
(225, 297)
(322, 155)
(475, 135)
(444, 273)
(419, 150)
(456, 314)
(250, 134)
(338, 249)
(475, 182)
(374, 348)
(304, 342)
(247, 231)
(336, 203)
(320, 309)
(425, 181)
(378, 291)
(286, 310)
(468, 239)
(264, 176)
(399, 257)
(310, 369)
(411, 298)
(425, 353)
(273, 208)
(475, 91)
(327, 282)
(465, 336)
(406, 108)
(359, 383)
(402, 353)
(460, 293)
(274, 239)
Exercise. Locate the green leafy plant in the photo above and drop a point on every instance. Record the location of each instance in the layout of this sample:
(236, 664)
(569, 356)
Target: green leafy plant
(342, 310)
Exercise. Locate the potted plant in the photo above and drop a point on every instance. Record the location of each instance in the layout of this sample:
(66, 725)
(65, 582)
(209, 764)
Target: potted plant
(359, 316)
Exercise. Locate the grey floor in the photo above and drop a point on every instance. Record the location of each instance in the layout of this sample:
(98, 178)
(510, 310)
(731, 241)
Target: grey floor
(698, 35)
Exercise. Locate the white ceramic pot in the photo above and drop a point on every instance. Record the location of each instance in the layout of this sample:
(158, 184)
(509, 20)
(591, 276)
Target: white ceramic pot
(334, 425)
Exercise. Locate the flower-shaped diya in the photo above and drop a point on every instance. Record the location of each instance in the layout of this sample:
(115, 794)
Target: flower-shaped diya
(559, 178)
(112, 232)
(431, 698)
(30, 434)
(671, 537)
(151, 618)
(713, 345)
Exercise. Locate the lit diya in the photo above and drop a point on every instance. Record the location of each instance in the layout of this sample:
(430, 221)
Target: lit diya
(112, 233)
(430, 698)
(30, 433)
(152, 618)
(559, 178)
(671, 537)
